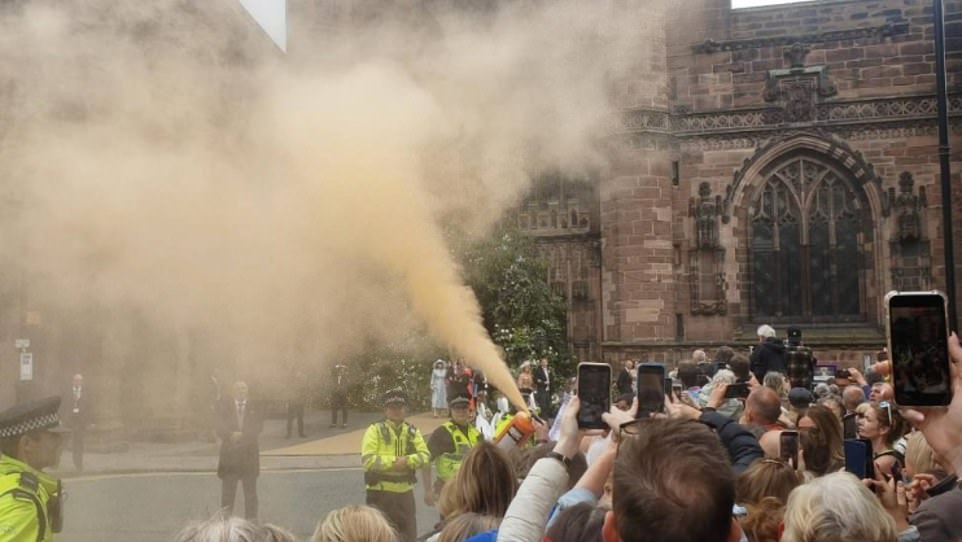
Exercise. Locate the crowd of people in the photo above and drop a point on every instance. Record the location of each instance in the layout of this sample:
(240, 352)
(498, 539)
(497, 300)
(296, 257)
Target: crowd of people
(710, 466)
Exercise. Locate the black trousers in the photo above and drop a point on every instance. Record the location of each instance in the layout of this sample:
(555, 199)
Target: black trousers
(338, 403)
(400, 511)
(544, 403)
(229, 492)
(295, 410)
(77, 448)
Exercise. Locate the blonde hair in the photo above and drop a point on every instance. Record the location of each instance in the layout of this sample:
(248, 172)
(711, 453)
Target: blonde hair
(919, 456)
(766, 478)
(836, 508)
(357, 523)
(464, 526)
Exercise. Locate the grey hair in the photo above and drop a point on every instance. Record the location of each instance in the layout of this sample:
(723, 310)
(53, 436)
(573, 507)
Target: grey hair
(836, 507)
(219, 529)
(232, 529)
(724, 375)
(766, 331)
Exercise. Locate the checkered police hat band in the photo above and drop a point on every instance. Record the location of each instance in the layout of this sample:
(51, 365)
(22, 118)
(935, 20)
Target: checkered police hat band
(33, 424)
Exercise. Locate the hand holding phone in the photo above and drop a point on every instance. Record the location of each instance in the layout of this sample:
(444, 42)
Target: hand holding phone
(738, 390)
(859, 459)
(594, 392)
(918, 346)
(651, 392)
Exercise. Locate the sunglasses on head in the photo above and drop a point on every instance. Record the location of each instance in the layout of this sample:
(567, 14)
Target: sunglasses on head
(888, 409)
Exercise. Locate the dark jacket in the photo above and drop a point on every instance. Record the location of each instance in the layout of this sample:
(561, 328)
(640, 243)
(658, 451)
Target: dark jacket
(624, 381)
(768, 356)
(76, 412)
(241, 458)
(542, 382)
(742, 446)
(938, 518)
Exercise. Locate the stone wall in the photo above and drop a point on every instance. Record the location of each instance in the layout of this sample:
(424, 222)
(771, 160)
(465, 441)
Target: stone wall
(847, 83)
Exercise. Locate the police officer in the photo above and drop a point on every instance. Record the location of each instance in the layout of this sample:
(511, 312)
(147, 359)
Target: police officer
(449, 444)
(30, 441)
(392, 451)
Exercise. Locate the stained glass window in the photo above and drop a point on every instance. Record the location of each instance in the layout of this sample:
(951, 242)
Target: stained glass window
(805, 244)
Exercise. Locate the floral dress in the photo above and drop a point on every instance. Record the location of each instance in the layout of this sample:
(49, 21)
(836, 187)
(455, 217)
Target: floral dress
(439, 392)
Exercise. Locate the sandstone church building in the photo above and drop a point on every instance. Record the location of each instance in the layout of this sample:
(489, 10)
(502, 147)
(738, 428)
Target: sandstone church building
(774, 165)
(779, 165)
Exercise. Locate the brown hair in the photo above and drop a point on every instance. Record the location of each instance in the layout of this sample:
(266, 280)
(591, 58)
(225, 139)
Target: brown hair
(485, 484)
(579, 523)
(670, 468)
(466, 525)
(524, 460)
(724, 354)
(893, 424)
(766, 478)
(741, 367)
(763, 519)
(823, 444)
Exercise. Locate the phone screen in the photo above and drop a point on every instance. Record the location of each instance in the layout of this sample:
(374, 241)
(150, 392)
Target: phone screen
(919, 350)
(738, 390)
(788, 447)
(858, 458)
(594, 391)
(651, 392)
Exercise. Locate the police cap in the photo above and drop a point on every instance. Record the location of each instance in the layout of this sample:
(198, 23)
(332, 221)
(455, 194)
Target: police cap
(39, 415)
(394, 397)
(459, 399)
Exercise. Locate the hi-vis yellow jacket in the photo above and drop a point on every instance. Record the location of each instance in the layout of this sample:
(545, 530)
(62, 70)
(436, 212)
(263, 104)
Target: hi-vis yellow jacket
(25, 494)
(383, 443)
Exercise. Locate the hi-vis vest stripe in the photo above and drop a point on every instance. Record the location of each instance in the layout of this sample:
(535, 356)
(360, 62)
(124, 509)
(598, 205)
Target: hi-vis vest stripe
(448, 464)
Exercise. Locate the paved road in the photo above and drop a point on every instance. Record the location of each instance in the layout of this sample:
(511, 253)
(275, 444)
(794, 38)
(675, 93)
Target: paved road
(153, 507)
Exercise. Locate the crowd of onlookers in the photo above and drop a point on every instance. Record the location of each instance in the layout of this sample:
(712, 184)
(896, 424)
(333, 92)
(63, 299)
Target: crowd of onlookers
(709, 468)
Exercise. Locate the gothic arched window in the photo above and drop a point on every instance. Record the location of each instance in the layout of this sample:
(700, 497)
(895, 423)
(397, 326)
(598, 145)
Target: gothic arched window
(805, 244)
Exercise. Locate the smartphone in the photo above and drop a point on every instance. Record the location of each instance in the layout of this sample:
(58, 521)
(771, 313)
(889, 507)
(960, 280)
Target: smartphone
(594, 391)
(918, 348)
(858, 458)
(651, 389)
(788, 447)
(739, 390)
(668, 387)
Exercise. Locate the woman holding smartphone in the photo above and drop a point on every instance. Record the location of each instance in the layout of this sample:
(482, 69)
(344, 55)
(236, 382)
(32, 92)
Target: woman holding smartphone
(881, 424)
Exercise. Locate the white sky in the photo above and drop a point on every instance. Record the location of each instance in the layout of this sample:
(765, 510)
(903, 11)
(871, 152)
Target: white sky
(271, 15)
(755, 3)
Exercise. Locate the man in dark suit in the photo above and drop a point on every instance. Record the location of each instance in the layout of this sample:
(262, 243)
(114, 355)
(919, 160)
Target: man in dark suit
(626, 379)
(78, 419)
(239, 425)
(543, 385)
(339, 395)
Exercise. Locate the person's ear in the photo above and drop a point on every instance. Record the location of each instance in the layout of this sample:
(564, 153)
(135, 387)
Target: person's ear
(735, 531)
(609, 530)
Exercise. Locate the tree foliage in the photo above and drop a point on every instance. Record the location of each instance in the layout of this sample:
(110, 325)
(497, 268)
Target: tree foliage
(521, 312)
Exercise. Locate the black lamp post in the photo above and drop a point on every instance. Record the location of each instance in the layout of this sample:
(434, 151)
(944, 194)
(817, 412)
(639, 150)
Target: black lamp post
(944, 168)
